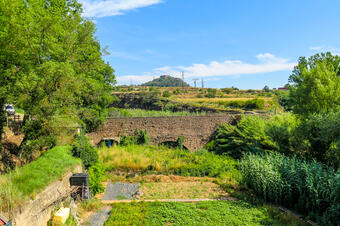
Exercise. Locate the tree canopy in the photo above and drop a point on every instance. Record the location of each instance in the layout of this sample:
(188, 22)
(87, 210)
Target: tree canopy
(316, 85)
(51, 64)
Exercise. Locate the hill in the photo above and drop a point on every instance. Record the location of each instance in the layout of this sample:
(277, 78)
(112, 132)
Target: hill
(166, 81)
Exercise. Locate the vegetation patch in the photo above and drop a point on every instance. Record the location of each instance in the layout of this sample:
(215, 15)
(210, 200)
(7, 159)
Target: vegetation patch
(309, 187)
(182, 190)
(25, 182)
(201, 213)
(160, 159)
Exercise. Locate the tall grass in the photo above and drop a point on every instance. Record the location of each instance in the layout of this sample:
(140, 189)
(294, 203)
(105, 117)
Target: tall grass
(309, 187)
(165, 160)
(25, 182)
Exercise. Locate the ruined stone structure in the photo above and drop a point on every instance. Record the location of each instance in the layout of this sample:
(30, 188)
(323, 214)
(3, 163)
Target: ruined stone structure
(196, 130)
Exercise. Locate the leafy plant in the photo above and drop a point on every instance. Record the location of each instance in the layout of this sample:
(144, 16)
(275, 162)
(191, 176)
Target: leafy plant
(96, 173)
(84, 150)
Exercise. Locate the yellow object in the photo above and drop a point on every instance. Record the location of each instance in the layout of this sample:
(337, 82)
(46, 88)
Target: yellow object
(60, 216)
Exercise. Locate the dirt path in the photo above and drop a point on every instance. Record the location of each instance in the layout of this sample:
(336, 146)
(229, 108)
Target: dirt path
(99, 218)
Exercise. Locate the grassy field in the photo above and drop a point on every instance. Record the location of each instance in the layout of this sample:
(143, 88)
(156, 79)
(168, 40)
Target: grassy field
(201, 213)
(164, 160)
(25, 182)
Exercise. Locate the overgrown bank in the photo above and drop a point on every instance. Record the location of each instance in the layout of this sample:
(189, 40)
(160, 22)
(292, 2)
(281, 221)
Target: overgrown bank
(24, 183)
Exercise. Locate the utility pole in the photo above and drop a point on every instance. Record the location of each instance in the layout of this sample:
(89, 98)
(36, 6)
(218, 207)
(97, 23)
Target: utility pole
(195, 81)
(202, 85)
(182, 79)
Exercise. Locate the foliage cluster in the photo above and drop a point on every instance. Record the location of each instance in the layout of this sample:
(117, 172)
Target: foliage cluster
(140, 137)
(84, 150)
(23, 183)
(88, 154)
(309, 187)
(211, 93)
(51, 66)
(315, 85)
(201, 213)
(255, 103)
(317, 137)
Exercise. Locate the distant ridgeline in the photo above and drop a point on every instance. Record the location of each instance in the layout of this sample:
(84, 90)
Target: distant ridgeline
(166, 81)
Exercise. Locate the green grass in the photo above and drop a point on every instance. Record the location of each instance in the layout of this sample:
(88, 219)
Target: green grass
(165, 160)
(201, 213)
(25, 182)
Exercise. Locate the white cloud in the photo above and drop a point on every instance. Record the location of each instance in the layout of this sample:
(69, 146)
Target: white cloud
(316, 48)
(267, 63)
(103, 8)
(333, 50)
(134, 79)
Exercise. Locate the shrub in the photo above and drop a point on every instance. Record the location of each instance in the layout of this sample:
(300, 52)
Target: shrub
(227, 90)
(84, 150)
(96, 173)
(211, 93)
(319, 137)
(166, 93)
(254, 104)
(139, 137)
(309, 187)
(179, 142)
(249, 135)
(37, 138)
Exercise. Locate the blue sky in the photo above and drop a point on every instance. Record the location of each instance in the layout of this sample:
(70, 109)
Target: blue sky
(246, 43)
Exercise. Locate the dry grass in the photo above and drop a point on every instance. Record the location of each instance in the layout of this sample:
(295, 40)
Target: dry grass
(139, 158)
(214, 100)
(124, 177)
(181, 190)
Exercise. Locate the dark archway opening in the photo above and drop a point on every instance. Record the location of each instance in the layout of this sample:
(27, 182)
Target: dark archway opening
(173, 144)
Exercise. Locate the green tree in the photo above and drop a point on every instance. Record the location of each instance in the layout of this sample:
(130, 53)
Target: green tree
(51, 65)
(316, 86)
(266, 89)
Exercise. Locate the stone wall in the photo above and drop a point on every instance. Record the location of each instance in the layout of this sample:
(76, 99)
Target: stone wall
(37, 212)
(196, 130)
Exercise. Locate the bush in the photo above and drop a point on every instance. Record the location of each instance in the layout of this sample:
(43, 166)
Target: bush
(139, 137)
(249, 135)
(166, 94)
(84, 150)
(227, 90)
(96, 173)
(319, 138)
(309, 187)
(211, 93)
(37, 138)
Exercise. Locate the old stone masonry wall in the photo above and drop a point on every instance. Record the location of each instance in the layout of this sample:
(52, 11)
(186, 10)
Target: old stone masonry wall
(195, 129)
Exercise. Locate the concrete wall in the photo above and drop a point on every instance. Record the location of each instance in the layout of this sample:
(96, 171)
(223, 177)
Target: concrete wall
(196, 129)
(37, 212)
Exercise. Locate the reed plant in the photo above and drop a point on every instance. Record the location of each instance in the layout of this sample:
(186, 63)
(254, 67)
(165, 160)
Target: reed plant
(311, 188)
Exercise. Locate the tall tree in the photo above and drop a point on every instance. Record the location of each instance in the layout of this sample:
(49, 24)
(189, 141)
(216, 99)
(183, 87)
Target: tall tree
(316, 85)
(51, 64)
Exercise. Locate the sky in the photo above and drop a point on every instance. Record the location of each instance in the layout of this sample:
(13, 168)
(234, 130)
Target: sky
(246, 44)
